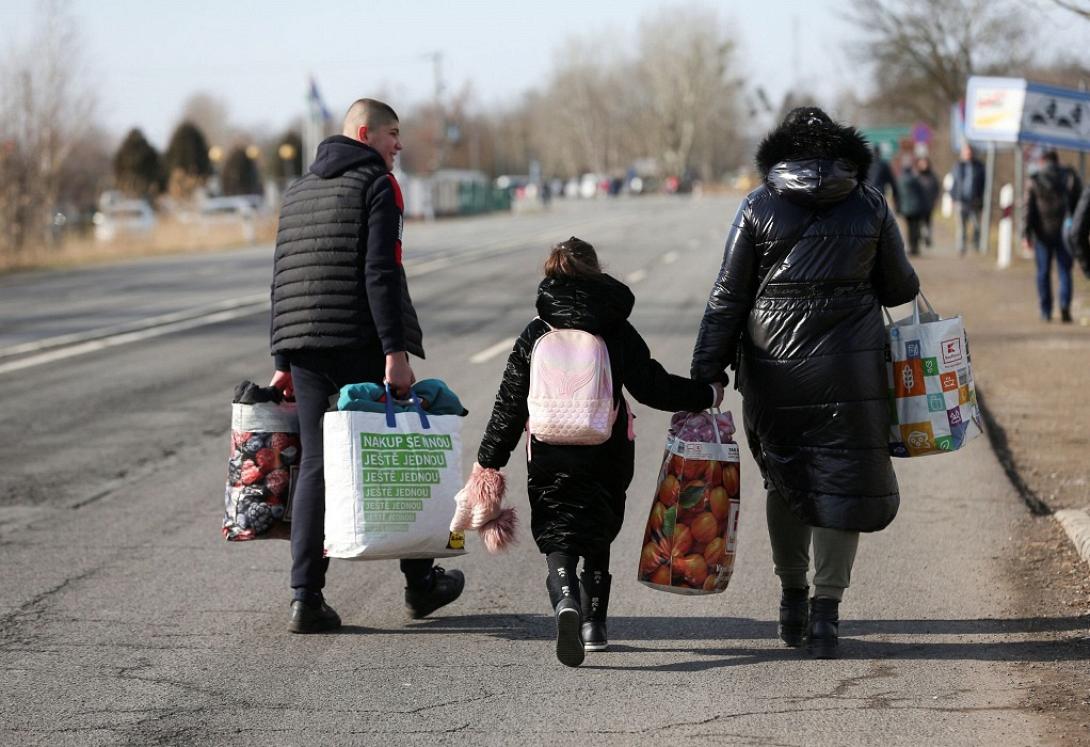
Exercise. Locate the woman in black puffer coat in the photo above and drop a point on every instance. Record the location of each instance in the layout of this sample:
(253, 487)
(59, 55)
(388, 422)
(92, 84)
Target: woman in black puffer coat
(577, 493)
(810, 348)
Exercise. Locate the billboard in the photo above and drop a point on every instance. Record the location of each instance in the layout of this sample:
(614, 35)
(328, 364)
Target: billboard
(1009, 110)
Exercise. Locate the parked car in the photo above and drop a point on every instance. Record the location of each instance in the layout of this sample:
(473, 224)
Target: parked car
(122, 218)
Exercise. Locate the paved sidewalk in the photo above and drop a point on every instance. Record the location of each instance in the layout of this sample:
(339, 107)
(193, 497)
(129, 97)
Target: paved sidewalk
(1032, 374)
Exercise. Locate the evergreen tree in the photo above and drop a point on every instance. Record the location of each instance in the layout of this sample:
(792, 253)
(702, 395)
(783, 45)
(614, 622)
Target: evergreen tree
(291, 167)
(138, 168)
(188, 152)
(239, 175)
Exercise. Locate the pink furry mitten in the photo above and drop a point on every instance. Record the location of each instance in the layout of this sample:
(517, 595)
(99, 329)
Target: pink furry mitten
(479, 507)
(499, 533)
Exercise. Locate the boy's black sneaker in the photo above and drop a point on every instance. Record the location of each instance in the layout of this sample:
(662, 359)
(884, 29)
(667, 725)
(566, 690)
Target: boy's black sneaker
(569, 641)
(446, 586)
(310, 618)
(1065, 316)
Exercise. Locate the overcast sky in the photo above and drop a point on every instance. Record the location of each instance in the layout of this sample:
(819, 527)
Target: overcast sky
(145, 58)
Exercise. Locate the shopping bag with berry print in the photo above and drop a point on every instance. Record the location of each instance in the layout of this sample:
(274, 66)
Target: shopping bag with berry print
(932, 394)
(691, 534)
(261, 466)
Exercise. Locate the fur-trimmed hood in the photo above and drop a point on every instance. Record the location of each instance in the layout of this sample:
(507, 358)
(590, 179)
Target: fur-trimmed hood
(801, 138)
(812, 160)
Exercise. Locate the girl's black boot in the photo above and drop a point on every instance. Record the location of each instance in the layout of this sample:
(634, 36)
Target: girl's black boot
(824, 627)
(564, 595)
(794, 616)
(595, 607)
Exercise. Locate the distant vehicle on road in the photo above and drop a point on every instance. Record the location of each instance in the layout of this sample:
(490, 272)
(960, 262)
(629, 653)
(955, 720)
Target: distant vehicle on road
(229, 209)
(240, 210)
(123, 218)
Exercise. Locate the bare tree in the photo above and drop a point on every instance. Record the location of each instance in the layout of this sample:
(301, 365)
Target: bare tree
(1079, 7)
(44, 90)
(922, 52)
(210, 114)
(684, 68)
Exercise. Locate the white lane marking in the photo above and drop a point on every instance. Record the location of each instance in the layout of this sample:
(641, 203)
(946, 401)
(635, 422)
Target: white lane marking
(493, 350)
(670, 257)
(635, 277)
(92, 340)
(258, 299)
(144, 334)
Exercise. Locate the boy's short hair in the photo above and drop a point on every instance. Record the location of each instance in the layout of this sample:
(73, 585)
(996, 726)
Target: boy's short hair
(369, 113)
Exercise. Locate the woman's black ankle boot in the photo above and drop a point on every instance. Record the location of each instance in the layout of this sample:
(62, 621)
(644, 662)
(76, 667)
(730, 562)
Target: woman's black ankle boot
(794, 616)
(595, 606)
(824, 626)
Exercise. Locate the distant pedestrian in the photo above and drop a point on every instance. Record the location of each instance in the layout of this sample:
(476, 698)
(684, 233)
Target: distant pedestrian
(811, 257)
(1053, 194)
(914, 205)
(341, 314)
(929, 183)
(968, 193)
(577, 492)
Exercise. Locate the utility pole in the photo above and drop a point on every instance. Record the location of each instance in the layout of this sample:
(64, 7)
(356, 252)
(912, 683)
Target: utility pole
(440, 116)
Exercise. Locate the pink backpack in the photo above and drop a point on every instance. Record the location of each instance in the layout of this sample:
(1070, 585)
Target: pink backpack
(571, 389)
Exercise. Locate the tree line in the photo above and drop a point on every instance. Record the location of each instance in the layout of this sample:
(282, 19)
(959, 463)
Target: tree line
(677, 99)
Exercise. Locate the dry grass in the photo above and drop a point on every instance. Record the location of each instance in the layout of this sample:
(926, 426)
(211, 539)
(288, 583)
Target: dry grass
(169, 236)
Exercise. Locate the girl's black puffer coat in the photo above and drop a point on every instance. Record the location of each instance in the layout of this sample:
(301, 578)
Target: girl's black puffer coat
(811, 349)
(577, 493)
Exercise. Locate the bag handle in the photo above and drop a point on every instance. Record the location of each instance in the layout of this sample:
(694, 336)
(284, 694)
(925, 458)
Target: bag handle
(391, 420)
(915, 310)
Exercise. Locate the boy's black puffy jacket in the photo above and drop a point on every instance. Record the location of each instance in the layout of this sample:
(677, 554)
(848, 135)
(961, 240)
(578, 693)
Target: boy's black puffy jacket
(813, 370)
(577, 493)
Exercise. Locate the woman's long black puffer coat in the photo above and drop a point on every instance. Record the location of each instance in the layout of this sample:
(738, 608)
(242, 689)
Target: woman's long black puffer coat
(811, 349)
(577, 493)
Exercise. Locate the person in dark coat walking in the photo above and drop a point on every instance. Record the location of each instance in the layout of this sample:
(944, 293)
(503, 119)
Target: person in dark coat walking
(968, 192)
(577, 493)
(929, 183)
(1051, 202)
(341, 314)
(810, 347)
(913, 205)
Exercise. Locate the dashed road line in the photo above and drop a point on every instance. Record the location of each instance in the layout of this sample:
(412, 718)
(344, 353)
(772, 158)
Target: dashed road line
(635, 277)
(670, 257)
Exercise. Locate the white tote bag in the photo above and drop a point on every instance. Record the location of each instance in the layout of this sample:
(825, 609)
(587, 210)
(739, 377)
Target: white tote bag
(390, 483)
(931, 388)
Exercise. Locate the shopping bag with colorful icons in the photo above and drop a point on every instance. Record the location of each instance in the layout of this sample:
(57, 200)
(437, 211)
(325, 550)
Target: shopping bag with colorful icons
(932, 396)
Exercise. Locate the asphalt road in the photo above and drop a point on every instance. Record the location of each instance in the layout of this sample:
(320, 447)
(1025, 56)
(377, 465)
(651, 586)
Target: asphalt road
(125, 618)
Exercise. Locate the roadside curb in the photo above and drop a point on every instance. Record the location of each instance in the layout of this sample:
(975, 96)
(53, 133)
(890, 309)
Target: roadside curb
(1076, 523)
(997, 439)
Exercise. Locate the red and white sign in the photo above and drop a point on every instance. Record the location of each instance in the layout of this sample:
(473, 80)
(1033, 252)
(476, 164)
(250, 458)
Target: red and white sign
(951, 351)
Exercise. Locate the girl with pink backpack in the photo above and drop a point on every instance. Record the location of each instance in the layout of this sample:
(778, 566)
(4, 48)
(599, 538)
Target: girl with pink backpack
(563, 385)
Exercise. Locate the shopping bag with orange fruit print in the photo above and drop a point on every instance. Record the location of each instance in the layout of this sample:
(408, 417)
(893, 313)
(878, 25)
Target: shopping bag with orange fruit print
(692, 531)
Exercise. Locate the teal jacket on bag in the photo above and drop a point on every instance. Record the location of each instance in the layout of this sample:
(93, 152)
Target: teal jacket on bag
(435, 397)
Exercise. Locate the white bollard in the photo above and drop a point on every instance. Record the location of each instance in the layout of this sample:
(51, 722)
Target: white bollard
(1006, 226)
(947, 204)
